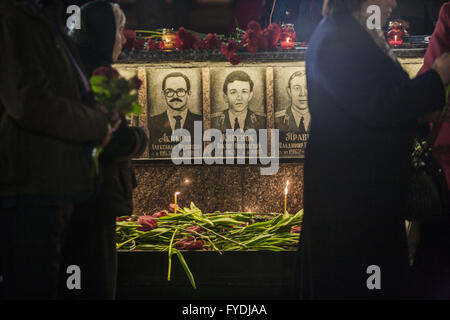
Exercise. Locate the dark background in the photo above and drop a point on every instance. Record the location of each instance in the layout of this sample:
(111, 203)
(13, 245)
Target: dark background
(216, 15)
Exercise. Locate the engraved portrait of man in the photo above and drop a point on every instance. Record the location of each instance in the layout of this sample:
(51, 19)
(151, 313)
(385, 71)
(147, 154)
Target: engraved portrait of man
(176, 88)
(238, 92)
(296, 117)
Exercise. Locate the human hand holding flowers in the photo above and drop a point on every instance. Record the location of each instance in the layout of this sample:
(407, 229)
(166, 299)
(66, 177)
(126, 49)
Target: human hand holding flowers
(115, 97)
(114, 122)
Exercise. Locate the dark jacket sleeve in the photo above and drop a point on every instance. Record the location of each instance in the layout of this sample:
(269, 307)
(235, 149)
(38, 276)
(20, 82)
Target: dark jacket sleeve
(370, 88)
(28, 96)
(126, 143)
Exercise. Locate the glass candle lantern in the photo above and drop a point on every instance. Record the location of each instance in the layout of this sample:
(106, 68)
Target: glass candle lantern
(395, 34)
(287, 36)
(169, 39)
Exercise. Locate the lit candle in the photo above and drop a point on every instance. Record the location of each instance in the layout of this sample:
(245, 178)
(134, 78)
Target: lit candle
(169, 39)
(176, 194)
(285, 196)
(288, 36)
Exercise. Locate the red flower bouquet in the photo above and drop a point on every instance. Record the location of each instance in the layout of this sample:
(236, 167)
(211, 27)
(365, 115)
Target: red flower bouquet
(115, 92)
(185, 39)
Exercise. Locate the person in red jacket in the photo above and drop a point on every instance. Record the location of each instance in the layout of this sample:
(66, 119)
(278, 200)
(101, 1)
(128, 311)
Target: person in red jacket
(432, 261)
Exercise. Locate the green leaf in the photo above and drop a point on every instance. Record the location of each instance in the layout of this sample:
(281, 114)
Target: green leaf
(185, 267)
(137, 109)
(170, 255)
(97, 81)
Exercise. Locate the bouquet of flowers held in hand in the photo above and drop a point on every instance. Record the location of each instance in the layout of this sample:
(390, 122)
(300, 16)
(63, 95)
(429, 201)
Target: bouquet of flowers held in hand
(114, 93)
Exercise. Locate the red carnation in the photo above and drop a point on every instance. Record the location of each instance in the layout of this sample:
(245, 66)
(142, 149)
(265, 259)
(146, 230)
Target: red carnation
(233, 46)
(147, 222)
(235, 60)
(212, 41)
(178, 42)
(130, 35)
(160, 214)
(172, 207)
(272, 33)
(107, 72)
(254, 26)
(229, 49)
(185, 39)
(263, 43)
(200, 44)
(253, 47)
(151, 45)
(139, 44)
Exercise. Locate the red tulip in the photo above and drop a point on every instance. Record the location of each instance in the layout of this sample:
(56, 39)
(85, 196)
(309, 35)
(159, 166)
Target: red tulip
(160, 214)
(189, 244)
(197, 229)
(147, 222)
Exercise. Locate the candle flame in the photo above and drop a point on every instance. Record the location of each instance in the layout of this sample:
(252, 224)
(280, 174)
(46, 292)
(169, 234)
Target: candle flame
(286, 191)
(177, 193)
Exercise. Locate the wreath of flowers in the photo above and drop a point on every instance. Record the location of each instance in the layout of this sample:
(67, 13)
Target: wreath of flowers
(253, 39)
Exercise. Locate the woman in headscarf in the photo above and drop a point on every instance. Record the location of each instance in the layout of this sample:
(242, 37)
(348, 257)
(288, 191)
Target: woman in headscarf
(365, 114)
(92, 235)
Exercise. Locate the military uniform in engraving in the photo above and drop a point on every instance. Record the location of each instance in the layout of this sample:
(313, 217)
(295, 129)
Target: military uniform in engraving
(238, 93)
(285, 122)
(253, 120)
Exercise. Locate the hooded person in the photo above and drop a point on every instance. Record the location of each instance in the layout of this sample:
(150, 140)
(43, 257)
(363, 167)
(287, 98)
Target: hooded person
(99, 42)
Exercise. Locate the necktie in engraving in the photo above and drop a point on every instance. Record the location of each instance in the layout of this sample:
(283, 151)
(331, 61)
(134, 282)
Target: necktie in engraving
(236, 124)
(178, 122)
(301, 126)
